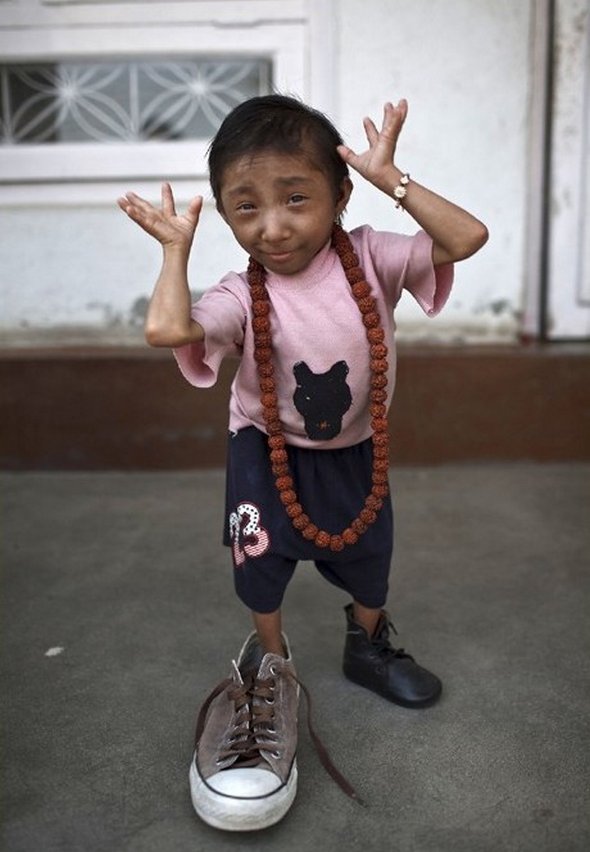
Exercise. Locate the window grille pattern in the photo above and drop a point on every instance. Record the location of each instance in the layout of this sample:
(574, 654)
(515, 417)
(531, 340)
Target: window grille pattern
(124, 101)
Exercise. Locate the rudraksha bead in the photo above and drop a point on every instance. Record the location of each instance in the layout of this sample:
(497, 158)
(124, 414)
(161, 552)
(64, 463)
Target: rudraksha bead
(361, 289)
(377, 410)
(379, 380)
(380, 490)
(375, 335)
(349, 536)
(336, 543)
(322, 539)
(260, 324)
(263, 339)
(295, 510)
(309, 532)
(260, 308)
(379, 424)
(284, 482)
(367, 305)
(355, 275)
(269, 400)
(373, 502)
(267, 385)
(381, 440)
(368, 516)
(276, 442)
(262, 355)
(371, 320)
(378, 350)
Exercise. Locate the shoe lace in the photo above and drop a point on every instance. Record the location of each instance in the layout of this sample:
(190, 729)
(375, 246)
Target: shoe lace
(384, 648)
(253, 731)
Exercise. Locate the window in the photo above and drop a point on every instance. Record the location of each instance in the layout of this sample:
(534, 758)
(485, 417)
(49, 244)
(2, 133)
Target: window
(173, 98)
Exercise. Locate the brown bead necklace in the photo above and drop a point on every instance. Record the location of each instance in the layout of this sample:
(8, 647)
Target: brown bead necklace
(361, 292)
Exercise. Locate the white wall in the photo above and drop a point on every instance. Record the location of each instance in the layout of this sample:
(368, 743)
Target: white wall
(462, 65)
(77, 269)
(79, 273)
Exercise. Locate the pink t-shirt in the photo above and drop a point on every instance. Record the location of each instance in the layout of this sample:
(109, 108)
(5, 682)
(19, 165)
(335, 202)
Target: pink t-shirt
(320, 348)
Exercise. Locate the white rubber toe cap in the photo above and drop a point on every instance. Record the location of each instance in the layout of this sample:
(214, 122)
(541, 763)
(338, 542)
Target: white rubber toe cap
(246, 782)
(242, 799)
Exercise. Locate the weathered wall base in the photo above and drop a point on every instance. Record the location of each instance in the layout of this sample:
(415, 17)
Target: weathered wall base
(92, 409)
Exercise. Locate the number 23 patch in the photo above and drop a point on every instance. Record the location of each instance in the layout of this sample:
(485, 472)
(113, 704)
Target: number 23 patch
(249, 539)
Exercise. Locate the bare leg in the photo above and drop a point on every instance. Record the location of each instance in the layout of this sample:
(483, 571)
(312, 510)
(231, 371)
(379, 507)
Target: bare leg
(367, 618)
(268, 626)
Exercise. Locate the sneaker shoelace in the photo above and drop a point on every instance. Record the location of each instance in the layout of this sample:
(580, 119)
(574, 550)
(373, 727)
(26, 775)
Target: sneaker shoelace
(254, 731)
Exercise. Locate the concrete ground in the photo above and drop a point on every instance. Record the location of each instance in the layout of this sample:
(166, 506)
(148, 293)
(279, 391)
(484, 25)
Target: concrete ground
(119, 616)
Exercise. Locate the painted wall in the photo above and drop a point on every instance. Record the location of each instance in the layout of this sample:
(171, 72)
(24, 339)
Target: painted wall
(463, 68)
(78, 270)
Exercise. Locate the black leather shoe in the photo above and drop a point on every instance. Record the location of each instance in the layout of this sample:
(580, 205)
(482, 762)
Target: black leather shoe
(373, 663)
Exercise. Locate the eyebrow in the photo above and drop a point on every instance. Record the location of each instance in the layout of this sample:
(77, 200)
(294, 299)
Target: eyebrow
(292, 180)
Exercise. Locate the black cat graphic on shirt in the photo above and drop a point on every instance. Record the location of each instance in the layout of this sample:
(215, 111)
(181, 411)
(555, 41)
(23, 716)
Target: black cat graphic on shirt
(322, 399)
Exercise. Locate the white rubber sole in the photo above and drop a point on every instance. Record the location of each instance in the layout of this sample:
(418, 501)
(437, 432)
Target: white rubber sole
(247, 814)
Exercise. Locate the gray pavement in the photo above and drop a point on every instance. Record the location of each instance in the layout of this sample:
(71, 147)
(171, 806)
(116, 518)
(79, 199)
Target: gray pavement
(125, 574)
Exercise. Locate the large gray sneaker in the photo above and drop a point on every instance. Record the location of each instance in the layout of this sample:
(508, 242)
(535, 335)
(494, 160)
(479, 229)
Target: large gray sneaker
(243, 776)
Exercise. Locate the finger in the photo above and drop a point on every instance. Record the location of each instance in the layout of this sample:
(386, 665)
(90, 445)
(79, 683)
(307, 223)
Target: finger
(394, 116)
(131, 199)
(345, 152)
(348, 155)
(371, 131)
(388, 116)
(400, 112)
(135, 213)
(168, 206)
(129, 203)
(194, 208)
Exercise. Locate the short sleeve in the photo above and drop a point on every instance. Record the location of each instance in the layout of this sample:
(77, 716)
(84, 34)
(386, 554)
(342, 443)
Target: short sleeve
(429, 285)
(402, 262)
(221, 313)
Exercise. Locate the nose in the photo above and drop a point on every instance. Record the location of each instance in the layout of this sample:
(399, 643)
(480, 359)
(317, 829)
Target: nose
(275, 228)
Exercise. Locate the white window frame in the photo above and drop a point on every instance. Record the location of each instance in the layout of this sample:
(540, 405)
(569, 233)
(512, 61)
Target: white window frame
(276, 30)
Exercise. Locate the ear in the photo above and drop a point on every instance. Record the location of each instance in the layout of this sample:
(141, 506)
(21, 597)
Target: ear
(339, 370)
(301, 371)
(346, 188)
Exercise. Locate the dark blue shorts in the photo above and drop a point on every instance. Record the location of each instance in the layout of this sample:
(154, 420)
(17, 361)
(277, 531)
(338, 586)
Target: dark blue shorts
(331, 486)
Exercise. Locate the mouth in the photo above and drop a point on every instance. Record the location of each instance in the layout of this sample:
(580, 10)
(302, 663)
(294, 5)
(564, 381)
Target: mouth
(279, 256)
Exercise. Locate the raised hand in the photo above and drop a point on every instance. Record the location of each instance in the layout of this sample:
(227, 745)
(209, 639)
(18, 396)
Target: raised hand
(377, 163)
(164, 224)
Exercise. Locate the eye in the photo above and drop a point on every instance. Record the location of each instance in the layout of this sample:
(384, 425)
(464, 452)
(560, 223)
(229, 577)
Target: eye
(297, 198)
(245, 207)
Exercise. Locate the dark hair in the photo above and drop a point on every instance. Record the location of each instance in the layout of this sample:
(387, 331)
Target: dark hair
(276, 123)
